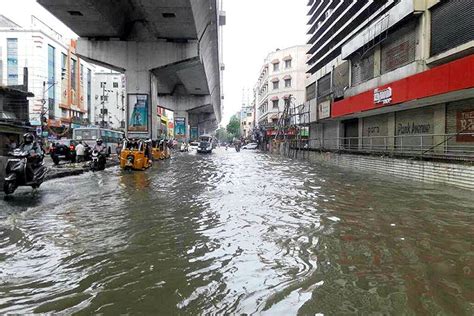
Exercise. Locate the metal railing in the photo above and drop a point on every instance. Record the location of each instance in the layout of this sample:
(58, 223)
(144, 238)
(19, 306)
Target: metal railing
(458, 146)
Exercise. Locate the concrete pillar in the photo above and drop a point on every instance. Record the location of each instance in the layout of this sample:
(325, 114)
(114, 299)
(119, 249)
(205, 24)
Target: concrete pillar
(138, 86)
(360, 133)
(439, 128)
(391, 131)
(178, 116)
(137, 59)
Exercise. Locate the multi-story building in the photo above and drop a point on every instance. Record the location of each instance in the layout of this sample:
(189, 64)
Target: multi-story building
(246, 121)
(282, 79)
(108, 90)
(391, 75)
(59, 79)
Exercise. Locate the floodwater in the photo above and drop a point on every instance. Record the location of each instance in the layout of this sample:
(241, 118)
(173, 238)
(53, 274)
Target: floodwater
(237, 233)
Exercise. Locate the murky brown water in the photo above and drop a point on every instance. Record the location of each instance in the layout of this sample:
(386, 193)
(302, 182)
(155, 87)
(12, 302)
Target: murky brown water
(237, 233)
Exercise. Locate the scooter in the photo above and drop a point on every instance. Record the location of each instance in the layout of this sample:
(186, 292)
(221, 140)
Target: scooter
(17, 175)
(98, 161)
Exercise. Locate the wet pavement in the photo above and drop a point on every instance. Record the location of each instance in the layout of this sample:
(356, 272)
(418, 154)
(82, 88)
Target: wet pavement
(234, 233)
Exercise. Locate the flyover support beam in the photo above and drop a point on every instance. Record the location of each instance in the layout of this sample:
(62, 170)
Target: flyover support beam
(137, 60)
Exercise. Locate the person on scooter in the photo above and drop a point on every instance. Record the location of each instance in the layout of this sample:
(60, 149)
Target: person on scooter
(99, 146)
(35, 154)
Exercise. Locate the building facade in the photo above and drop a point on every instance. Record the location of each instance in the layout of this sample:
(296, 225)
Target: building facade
(281, 79)
(247, 122)
(59, 79)
(109, 93)
(391, 76)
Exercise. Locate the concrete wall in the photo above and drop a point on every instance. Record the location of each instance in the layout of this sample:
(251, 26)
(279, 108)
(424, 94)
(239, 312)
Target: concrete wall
(458, 175)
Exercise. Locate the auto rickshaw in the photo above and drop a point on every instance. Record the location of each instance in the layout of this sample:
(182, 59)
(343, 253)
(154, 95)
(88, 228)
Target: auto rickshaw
(160, 150)
(135, 155)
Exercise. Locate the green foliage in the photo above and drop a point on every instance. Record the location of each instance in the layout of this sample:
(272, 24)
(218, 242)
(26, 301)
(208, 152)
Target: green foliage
(233, 127)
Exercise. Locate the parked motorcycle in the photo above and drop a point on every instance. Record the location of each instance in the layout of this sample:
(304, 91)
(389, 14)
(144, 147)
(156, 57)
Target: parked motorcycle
(98, 161)
(20, 172)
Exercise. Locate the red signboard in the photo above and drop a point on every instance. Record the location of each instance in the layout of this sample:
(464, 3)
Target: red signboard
(465, 124)
(453, 76)
(273, 132)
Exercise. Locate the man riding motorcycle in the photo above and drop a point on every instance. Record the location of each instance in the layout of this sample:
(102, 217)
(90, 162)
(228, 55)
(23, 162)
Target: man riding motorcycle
(99, 146)
(99, 164)
(34, 151)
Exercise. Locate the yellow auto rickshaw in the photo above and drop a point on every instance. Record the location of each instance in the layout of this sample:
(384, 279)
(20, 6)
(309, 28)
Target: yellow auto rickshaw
(135, 155)
(160, 150)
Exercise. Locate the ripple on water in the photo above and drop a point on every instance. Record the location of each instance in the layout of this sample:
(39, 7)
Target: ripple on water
(236, 233)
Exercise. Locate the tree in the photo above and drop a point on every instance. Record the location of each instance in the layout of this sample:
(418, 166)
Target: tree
(222, 135)
(233, 127)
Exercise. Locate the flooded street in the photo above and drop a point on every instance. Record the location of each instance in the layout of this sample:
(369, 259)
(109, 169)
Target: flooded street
(243, 233)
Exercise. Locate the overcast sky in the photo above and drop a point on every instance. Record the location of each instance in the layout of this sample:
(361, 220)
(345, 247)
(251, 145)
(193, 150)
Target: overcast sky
(254, 29)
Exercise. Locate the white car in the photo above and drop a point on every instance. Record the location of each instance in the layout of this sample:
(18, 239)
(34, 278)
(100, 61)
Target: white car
(250, 146)
(193, 145)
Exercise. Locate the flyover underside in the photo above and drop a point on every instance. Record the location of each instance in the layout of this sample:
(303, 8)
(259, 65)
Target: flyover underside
(168, 50)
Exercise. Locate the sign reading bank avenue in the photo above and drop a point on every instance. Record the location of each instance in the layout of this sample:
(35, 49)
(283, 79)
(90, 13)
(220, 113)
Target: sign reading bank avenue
(383, 96)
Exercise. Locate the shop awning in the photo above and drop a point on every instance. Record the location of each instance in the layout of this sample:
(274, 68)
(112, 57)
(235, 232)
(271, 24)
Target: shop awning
(286, 77)
(287, 58)
(286, 96)
(275, 98)
(275, 79)
(275, 61)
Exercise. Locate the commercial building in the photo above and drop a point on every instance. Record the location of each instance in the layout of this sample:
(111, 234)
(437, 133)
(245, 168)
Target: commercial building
(59, 79)
(392, 76)
(281, 79)
(247, 121)
(109, 94)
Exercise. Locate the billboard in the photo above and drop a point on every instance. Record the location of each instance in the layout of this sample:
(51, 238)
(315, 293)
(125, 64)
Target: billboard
(180, 127)
(138, 113)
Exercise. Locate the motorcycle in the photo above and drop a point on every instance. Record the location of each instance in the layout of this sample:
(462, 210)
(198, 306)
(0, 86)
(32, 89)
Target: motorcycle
(98, 161)
(237, 148)
(17, 172)
(184, 148)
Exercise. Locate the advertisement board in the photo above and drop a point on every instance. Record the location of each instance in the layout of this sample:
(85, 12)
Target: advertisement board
(465, 125)
(180, 127)
(138, 113)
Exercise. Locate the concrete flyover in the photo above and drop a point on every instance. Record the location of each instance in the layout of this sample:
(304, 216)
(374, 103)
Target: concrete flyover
(169, 50)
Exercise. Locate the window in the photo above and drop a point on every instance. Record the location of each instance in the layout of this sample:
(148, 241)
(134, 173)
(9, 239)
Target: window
(51, 80)
(275, 104)
(115, 85)
(288, 63)
(12, 61)
(287, 83)
(63, 66)
(89, 99)
(104, 98)
(276, 66)
(276, 85)
(73, 74)
(249, 114)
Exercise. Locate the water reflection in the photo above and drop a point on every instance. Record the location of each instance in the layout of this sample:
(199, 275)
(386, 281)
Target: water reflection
(237, 233)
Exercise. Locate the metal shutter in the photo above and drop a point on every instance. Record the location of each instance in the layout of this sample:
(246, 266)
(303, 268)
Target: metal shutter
(340, 79)
(311, 92)
(399, 48)
(362, 67)
(452, 24)
(324, 86)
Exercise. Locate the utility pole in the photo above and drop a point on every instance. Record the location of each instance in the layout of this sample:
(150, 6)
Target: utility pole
(102, 124)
